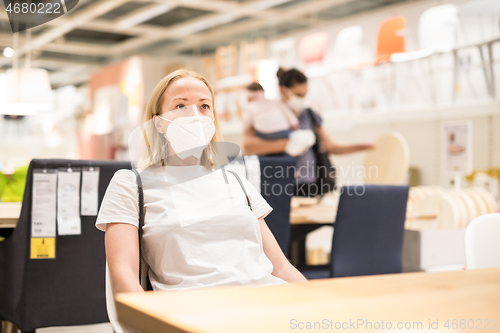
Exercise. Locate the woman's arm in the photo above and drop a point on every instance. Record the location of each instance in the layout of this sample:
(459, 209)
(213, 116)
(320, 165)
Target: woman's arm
(122, 253)
(337, 149)
(254, 145)
(282, 267)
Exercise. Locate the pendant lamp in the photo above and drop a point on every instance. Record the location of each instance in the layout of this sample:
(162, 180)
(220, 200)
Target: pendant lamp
(25, 91)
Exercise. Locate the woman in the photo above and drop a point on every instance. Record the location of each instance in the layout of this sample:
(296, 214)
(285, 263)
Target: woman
(199, 230)
(293, 87)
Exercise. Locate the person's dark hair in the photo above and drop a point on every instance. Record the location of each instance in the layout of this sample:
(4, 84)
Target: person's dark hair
(255, 87)
(290, 77)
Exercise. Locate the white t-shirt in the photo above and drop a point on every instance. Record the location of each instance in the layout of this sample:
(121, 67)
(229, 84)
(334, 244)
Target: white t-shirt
(197, 232)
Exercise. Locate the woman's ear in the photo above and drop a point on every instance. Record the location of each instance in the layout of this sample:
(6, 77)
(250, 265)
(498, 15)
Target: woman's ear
(159, 124)
(284, 93)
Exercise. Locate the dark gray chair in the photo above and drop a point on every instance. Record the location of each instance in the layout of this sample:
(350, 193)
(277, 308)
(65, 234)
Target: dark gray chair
(368, 233)
(277, 187)
(67, 290)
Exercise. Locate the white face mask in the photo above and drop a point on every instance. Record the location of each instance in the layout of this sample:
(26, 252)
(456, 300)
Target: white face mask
(189, 136)
(296, 103)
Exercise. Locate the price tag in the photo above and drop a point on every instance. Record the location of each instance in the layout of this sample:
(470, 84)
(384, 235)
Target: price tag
(90, 191)
(43, 205)
(43, 248)
(68, 202)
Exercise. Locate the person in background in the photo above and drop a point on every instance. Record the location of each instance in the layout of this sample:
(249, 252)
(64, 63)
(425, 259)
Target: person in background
(293, 87)
(271, 120)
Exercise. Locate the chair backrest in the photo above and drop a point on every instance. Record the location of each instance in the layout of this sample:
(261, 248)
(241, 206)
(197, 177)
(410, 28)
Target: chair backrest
(482, 242)
(438, 28)
(389, 162)
(479, 20)
(67, 290)
(390, 38)
(369, 230)
(312, 48)
(347, 47)
(277, 187)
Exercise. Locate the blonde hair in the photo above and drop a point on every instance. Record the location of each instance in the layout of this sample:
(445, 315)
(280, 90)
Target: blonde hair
(154, 141)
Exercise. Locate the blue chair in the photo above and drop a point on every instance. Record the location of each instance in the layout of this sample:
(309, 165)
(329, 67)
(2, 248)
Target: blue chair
(277, 187)
(368, 233)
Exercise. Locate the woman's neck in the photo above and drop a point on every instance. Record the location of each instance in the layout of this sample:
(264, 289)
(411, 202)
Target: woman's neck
(174, 160)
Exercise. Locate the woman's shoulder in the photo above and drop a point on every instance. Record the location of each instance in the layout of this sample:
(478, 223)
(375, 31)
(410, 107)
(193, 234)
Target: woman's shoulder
(311, 116)
(123, 176)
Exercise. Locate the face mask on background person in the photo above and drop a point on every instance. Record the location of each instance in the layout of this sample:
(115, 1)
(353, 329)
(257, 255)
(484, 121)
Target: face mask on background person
(189, 136)
(296, 103)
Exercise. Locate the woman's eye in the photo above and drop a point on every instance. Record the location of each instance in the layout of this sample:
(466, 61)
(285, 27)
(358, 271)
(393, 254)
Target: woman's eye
(205, 106)
(180, 106)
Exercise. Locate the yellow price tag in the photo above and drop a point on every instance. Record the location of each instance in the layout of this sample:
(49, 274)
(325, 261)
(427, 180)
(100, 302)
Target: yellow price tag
(43, 248)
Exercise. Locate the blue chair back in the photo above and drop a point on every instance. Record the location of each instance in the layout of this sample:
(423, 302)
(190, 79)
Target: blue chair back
(277, 187)
(369, 230)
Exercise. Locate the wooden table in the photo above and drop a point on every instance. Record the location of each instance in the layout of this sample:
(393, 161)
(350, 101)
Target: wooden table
(9, 214)
(409, 298)
(325, 214)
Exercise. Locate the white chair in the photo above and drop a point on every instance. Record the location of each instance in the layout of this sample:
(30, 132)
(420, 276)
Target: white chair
(346, 54)
(437, 32)
(110, 299)
(482, 242)
(479, 27)
(479, 21)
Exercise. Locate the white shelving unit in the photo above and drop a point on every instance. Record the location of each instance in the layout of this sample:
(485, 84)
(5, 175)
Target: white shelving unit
(338, 120)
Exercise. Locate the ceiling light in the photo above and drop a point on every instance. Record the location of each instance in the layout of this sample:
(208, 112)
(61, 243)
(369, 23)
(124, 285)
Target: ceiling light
(8, 52)
(25, 91)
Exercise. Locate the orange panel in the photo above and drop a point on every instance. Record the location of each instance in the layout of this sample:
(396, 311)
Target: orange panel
(390, 38)
(312, 48)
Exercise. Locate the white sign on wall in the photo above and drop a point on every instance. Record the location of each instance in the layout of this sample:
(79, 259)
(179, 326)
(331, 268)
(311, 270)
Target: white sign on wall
(457, 147)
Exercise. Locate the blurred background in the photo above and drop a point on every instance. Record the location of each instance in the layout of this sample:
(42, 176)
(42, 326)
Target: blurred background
(435, 61)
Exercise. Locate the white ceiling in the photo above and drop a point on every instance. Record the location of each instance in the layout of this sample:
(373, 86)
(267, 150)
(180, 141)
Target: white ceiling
(97, 32)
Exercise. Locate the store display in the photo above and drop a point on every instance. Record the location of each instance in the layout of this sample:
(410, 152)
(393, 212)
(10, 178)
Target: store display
(455, 209)
(250, 54)
(226, 61)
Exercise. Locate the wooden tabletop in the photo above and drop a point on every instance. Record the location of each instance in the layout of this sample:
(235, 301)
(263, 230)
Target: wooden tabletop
(467, 298)
(9, 214)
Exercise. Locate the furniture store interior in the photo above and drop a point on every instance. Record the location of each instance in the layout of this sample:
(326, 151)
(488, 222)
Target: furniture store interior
(374, 207)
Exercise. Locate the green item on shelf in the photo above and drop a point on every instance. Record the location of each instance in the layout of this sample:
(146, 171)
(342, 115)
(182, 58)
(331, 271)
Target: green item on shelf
(12, 187)
(3, 181)
(2, 239)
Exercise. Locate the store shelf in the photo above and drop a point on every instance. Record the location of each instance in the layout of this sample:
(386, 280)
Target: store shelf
(233, 82)
(343, 120)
